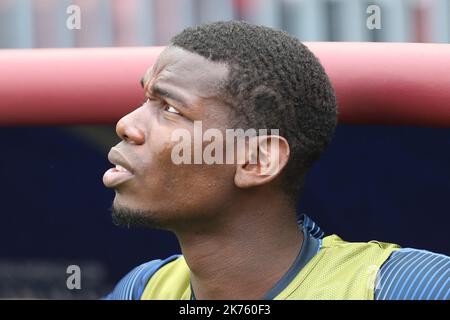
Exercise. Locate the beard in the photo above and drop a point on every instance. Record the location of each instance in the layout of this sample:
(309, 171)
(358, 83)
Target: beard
(128, 217)
(172, 221)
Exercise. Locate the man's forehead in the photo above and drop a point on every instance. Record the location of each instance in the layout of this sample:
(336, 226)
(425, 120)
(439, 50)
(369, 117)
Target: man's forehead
(185, 66)
(148, 74)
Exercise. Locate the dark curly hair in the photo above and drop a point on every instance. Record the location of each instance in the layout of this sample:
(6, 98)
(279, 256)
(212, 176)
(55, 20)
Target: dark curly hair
(275, 82)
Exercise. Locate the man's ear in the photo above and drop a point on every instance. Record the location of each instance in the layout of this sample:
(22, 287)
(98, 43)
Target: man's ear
(263, 162)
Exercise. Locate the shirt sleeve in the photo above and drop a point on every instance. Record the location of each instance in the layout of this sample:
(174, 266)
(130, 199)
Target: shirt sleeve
(412, 274)
(130, 287)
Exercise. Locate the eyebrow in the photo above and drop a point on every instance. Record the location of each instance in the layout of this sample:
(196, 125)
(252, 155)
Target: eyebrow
(157, 90)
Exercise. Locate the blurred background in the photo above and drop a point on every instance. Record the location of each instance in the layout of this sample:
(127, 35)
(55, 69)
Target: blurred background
(390, 183)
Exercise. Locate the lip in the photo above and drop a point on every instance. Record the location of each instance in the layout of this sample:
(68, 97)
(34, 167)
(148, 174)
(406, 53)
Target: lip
(114, 177)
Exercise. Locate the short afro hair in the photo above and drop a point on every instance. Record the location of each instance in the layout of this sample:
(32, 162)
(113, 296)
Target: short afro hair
(275, 82)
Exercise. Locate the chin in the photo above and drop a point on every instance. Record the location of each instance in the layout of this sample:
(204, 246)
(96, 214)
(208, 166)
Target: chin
(127, 215)
(126, 201)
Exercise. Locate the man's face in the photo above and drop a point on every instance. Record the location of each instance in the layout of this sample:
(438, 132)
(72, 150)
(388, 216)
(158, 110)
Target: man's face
(180, 88)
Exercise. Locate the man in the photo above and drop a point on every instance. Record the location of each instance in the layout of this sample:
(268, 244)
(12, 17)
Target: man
(236, 222)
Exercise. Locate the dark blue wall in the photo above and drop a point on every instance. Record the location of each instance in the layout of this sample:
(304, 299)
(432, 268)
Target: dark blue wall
(374, 182)
(386, 183)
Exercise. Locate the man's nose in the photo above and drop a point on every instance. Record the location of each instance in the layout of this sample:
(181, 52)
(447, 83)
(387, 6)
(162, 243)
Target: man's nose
(128, 130)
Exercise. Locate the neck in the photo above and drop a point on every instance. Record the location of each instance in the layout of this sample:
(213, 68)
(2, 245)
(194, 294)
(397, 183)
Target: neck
(245, 254)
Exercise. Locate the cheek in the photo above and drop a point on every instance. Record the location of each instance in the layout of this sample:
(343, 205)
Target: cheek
(201, 187)
(213, 187)
(159, 173)
(186, 187)
(156, 161)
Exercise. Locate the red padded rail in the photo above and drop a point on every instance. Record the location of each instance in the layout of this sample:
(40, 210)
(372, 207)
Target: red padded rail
(376, 83)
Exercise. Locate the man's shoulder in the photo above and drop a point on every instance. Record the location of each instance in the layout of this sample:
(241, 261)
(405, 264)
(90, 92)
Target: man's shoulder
(414, 274)
(132, 285)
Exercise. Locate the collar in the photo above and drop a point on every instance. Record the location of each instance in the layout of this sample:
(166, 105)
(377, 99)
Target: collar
(312, 241)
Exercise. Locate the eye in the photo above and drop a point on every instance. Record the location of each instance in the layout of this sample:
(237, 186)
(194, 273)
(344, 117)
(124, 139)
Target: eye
(166, 107)
(170, 109)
